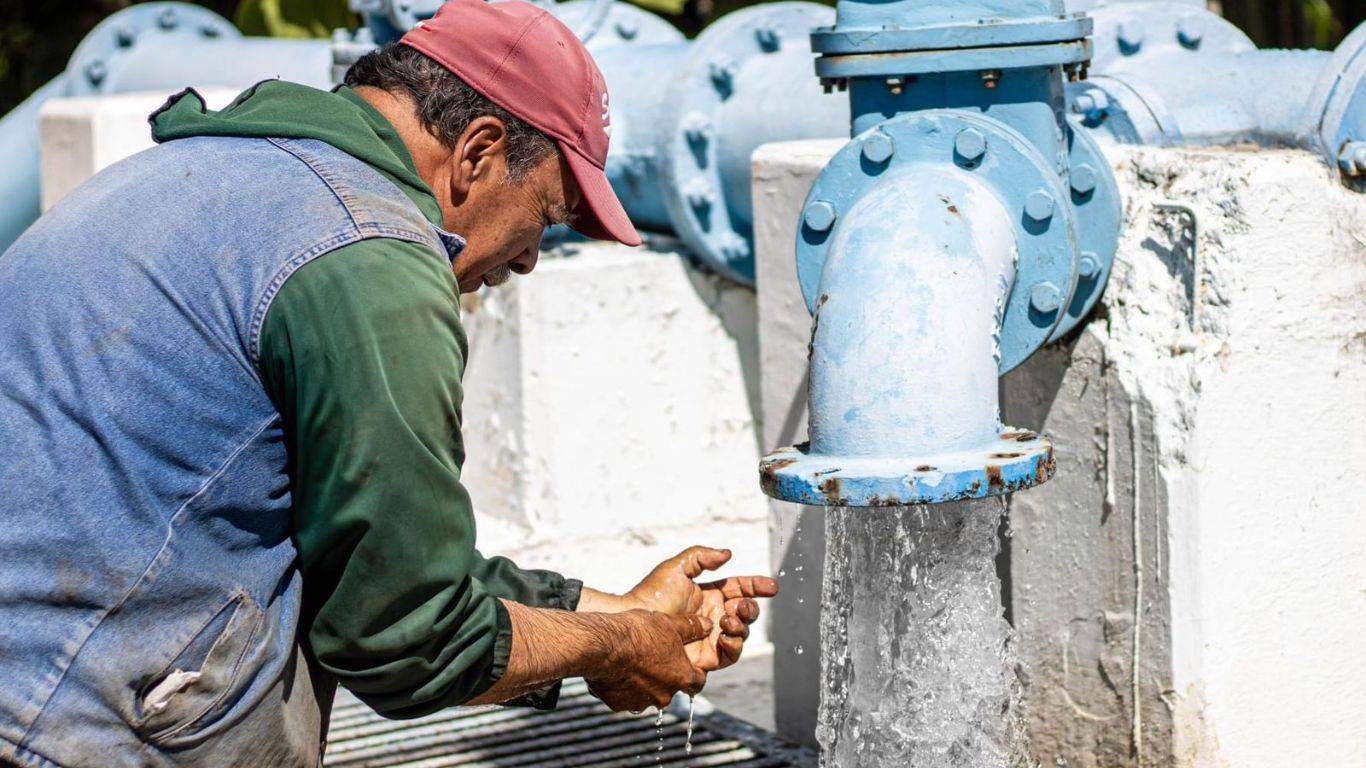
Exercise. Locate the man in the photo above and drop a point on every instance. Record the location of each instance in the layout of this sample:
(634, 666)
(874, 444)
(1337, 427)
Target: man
(230, 418)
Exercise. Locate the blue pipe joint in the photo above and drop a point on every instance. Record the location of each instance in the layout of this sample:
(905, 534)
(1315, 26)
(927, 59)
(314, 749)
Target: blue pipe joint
(1000, 157)
(1336, 121)
(937, 250)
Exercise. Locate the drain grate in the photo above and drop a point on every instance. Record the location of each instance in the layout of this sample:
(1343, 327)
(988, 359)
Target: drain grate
(579, 734)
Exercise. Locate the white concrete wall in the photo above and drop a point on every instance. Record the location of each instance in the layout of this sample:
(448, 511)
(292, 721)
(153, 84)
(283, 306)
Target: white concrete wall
(1219, 404)
(80, 136)
(610, 396)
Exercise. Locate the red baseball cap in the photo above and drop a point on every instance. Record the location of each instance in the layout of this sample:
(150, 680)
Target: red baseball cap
(524, 60)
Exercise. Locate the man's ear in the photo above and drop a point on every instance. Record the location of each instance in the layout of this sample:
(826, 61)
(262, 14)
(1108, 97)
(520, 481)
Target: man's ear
(480, 152)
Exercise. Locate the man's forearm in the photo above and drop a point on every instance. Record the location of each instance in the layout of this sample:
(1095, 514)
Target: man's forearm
(550, 645)
(596, 601)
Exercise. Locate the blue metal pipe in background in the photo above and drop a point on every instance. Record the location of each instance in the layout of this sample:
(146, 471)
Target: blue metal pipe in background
(147, 47)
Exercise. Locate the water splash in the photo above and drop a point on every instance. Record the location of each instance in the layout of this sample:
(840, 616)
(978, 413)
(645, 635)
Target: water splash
(687, 740)
(917, 663)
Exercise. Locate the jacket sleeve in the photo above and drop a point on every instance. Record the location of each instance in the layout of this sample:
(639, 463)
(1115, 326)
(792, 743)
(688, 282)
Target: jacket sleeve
(362, 352)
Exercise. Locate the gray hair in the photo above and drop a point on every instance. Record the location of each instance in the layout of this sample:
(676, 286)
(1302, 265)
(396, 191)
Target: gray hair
(447, 105)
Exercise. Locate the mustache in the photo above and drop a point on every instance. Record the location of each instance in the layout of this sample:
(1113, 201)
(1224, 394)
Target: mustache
(497, 275)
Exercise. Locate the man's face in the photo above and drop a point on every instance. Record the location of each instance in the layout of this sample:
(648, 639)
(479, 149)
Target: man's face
(501, 219)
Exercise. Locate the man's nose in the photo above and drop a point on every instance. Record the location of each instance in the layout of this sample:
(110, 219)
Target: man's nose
(526, 260)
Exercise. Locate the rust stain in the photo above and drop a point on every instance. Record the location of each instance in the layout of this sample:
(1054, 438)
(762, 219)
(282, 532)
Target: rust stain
(831, 490)
(924, 468)
(995, 482)
(1020, 437)
(777, 464)
(1005, 455)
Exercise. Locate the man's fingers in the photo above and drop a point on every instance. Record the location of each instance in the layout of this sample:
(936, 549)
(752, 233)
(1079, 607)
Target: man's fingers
(730, 649)
(732, 626)
(698, 559)
(745, 586)
(746, 609)
(699, 681)
(692, 627)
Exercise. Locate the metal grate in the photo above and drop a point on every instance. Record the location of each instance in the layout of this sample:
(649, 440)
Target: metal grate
(579, 734)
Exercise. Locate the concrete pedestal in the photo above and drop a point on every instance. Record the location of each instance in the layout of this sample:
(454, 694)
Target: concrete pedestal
(1210, 425)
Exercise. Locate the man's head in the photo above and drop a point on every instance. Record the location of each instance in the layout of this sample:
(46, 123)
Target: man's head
(506, 116)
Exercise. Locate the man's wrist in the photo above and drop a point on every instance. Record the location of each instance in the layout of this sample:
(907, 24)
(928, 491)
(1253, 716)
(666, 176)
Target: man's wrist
(596, 601)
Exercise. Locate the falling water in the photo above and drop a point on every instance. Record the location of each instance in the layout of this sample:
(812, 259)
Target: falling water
(917, 663)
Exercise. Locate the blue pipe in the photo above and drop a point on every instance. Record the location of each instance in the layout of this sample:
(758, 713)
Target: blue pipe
(146, 47)
(966, 225)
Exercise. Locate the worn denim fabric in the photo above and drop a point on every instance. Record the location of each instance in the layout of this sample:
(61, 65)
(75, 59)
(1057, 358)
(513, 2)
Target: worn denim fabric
(149, 587)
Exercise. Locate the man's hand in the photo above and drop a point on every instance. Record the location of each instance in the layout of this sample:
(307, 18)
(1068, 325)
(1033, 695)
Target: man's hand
(648, 664)
(729, 603)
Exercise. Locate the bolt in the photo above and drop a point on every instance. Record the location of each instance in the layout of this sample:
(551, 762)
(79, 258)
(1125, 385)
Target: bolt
(699, 194)
(1084, 179)
(628, 28)
(125, 36)
(1039, 205)
(1130, 35)
(878, 147)
(733, 247)
(95, 72)
(722, 74)
(167, 19)
(210, 31)
(1092, 103)
(1189, 31)
(990, 78)
(1352, 158)
(697, 127)
(970, 144)
(820, 216)
(1044, 297)
(1088, 266)
(895, 85)
(768, 39)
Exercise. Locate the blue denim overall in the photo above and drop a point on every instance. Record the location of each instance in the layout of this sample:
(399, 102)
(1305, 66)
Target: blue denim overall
(149, 587)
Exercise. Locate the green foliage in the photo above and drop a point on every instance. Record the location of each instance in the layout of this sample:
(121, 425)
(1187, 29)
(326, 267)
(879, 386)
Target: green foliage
(292, 18)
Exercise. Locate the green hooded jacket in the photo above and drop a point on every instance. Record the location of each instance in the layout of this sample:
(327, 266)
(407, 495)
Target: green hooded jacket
(362, 352)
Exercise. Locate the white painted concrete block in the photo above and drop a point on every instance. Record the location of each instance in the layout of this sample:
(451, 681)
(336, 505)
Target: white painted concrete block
(1220, 403)
(80, 136)
(608, 415)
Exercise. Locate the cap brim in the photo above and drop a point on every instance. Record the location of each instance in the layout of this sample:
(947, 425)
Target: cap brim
(599, 214)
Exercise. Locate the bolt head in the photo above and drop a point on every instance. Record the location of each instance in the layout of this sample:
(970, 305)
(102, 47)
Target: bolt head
(628, 28)
(820, 216)
(970, 144)
(768, 39)
(1045, 297)
(878, 147)
(167, 19)
(1091, 103)
(1088, 266)
(697, 127)
(209, 30)
(95, 72)
(733, 247)
(125, 36)
(1189, 31)
(699, 194)
(722, 72)
(1352, 159)
(1039, 205)
(1084, 179)
(1131, 34)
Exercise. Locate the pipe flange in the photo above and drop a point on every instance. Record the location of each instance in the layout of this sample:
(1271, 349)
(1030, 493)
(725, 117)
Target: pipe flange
(844, 66)
(1001, 158)
(625, 24)
(985, 33)
(1132, 36)
(1016, 460)
(1337, 108)
(693, 189)
(1100, 217)
(1123, 109)
(95, 64)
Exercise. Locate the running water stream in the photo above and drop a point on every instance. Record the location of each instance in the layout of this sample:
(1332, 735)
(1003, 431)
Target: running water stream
(917, 663)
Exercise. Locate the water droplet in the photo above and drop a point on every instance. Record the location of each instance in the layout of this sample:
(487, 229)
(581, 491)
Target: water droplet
(687, 740)
(782, 573)
(798, 650)
(798, 569)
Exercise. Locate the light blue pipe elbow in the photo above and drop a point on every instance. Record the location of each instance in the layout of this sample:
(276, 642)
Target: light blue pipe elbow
(19, 185)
